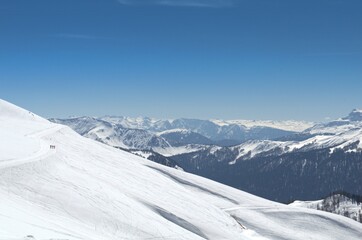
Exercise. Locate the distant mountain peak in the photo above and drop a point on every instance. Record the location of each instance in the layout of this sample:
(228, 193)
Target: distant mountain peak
(355, 115)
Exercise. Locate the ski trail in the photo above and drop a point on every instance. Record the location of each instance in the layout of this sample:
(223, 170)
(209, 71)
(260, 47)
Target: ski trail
(43, 152)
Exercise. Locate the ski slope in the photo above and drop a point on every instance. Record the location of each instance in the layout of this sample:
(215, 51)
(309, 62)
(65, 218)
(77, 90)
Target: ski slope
(337, 204)
(87, 190)
(14, 157)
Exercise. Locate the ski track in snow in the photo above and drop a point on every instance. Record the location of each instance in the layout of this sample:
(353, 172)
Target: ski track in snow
(43, 152)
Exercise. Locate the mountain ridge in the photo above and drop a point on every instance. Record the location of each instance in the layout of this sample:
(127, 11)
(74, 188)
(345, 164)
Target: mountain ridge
(335, 141)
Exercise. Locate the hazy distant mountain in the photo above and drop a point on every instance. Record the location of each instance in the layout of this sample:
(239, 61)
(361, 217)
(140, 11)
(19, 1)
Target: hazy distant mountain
(147, 133)
(355, 115)
(216, 130)
(158, 125)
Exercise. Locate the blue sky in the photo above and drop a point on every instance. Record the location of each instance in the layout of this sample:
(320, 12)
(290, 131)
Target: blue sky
(229, 59)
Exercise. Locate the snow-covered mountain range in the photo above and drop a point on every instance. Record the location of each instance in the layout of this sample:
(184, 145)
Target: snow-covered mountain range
(249, 155)
(170, 137)
(327, 156)
(344, 134)
(158, 125)
(114, 134)
(56, 184)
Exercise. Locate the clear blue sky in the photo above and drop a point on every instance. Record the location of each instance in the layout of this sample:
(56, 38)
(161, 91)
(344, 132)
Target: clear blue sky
(248, 59)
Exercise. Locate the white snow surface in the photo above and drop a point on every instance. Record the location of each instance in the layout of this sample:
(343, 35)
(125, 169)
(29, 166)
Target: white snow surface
(175, 130)
(84, 189)
(173, 151)
(306, 204)
(345, 206)
(252, 148)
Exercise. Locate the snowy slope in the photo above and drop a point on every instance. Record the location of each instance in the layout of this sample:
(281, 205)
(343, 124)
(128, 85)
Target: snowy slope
(172, 151)
(182, 137)
(336, 203)
(84, 189)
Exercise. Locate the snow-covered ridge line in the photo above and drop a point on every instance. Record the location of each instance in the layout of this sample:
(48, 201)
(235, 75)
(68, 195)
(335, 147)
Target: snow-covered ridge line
(164, 136)
(147, 123)
(343, 135)
(11, 111)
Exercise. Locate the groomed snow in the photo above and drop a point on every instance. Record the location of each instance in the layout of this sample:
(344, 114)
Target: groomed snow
(337, 204)
(87, 190)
